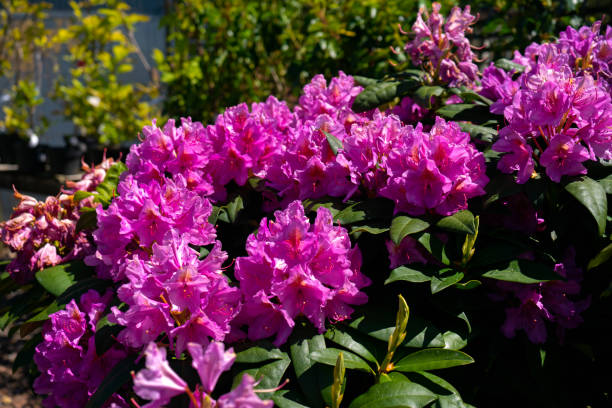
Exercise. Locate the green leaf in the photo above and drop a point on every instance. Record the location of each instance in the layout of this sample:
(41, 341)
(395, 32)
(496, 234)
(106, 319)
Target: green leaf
(88, 219)
(601, 257)
(334, 143)
(375, 95)
(268, 375)
(259, 354)
(232, 209)
(114, 380)
(477, 131)
(214, 215)
(464, 111)
(106, 190)
(82, 286)
(445, 278)
(403, 273)
(395, 394)
(524, 271)
(346, 340)
(606, 183)
(469, 285)
(368, 210)
(508, 65)
(55, 279)
(462, 221)
(369, 229)
(424, 94)
(592, 195)
(403, 225)
(80, 195)
(281, 401)
(330, 355)
(364, 81)
(432, 359)
(309, 374)
(434, 246)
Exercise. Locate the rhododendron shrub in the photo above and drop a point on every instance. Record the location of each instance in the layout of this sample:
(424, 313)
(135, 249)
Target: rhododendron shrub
(335, 251)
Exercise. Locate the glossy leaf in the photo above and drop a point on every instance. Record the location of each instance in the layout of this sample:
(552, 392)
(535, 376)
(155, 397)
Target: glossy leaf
(107, 189)
(346, 340)
(403, 225)
(403, 273)
(601, 257)
(334, 143)
(258, 354)
(508, 65)
(444, 279)
(329, 356)
(432, 359)
(462, 221)
(424, 94)
(268, 375)
(523, 271)
(434, 246)
(309, 373)
(395, 394)
(55, 279)
(592, 195)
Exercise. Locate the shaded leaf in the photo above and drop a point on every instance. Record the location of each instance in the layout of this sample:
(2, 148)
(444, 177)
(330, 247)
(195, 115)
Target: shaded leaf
(395, 394)
(592, 195)
(509, 66)
(424, 94)
(403, 273)
(306, 370)
(601, 257)
(444, 279)
(329, 356)
(346, 340)
(268, 375)
(259, 354)
(432, 359)
(524, 271)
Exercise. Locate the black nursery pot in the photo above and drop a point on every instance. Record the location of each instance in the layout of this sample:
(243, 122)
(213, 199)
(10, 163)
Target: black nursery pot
(67, 159)
(29, 159)
(8, 143)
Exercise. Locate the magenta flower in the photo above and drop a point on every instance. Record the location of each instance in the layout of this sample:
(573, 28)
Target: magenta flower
(243, 396)
(69, 336)
(158, 382)
(211, 362)
(295, 268)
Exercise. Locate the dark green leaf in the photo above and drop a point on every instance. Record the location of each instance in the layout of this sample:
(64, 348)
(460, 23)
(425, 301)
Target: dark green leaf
(308, 373)
(404, 273)
(334, 143)
(105, 337)
(469, 285)
(465, 112)
(395, 394)
(484, 133)
(434, 246)
(259, 354)
(375, 95)
(403, 225)
(508, 65)
(432, 359)
(601, 257)
(232, 209)
(282, 401)
(351, 361)
(114, 380)
(268, 375)
(443, 279)
(424, 94)
(462, 221)
(88, 219)
(363, 81)
(346, 340)
(523, 271)
(214, 215)
(82, 286)
(592, 195)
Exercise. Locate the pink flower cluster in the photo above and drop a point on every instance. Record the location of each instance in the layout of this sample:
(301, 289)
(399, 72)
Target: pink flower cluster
(159, 383)
(441, 47)
(421, 171)
(559, 115)
(70, 368)
(174, 292)
(547, 301)
(295, 268)
(44, 233)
